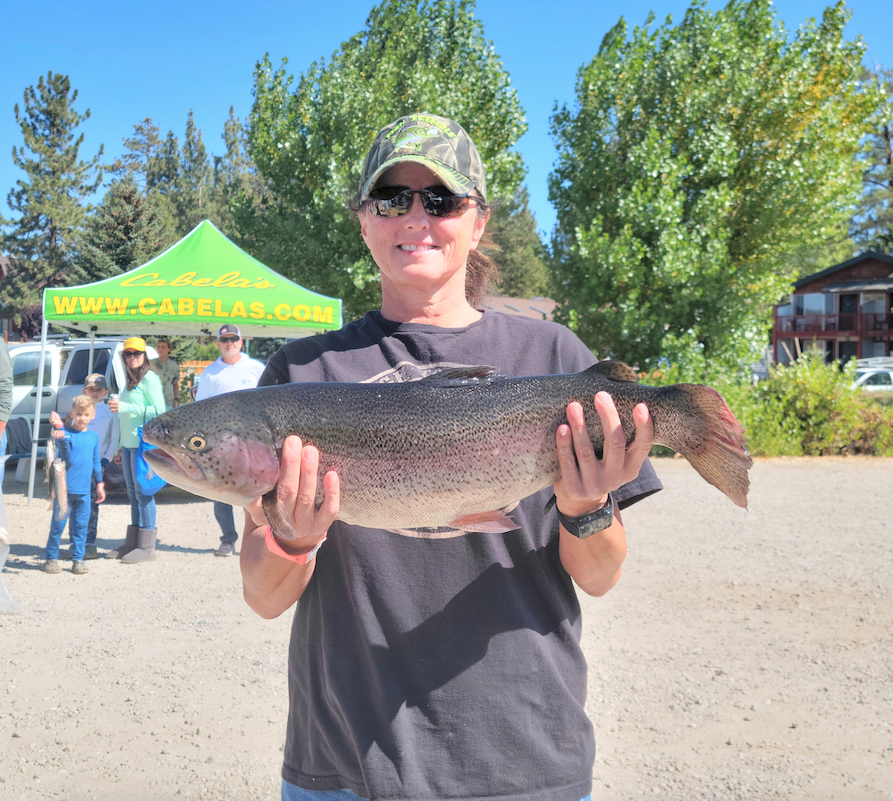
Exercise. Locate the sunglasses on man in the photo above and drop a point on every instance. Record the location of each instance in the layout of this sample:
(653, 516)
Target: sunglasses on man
(228, 340)
(438, 201)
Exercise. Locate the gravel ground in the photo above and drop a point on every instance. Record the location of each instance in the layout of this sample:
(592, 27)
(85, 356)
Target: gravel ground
(744, 655)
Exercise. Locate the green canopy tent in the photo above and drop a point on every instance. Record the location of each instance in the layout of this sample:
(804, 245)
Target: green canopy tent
(194, 287)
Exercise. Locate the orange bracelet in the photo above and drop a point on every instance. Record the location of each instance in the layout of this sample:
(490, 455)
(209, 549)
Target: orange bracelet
(301, 559)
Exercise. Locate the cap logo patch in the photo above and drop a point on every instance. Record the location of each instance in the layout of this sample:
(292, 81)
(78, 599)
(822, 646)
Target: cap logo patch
(411, 138)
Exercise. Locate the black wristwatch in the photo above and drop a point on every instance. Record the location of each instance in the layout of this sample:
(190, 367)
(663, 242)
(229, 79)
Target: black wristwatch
(590, 524)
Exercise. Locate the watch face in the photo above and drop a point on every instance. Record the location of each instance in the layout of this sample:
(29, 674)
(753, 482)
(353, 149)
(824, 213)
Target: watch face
(590, 524)
(596, 522)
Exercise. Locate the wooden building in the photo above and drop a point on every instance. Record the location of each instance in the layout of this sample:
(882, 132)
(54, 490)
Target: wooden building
(845, 310)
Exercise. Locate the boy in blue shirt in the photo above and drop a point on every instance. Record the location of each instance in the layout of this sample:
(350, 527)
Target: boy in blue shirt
(79, 449)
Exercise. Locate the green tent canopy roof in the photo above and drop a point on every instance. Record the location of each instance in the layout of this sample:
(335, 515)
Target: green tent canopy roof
(194, 287)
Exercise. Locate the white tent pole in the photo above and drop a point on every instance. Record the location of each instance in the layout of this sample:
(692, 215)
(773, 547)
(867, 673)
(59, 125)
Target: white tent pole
(90, 361)
(35, 433)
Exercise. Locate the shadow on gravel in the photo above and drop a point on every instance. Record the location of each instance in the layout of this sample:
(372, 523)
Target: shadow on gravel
(32, 557)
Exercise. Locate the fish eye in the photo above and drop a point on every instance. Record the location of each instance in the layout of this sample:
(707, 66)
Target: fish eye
(197, 443)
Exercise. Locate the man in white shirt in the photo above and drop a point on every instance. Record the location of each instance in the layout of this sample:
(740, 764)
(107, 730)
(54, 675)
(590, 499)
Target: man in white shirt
(233, 371)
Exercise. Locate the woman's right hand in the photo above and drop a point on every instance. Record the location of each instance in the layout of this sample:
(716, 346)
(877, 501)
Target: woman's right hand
(118, 459)
(298, 475)
(113, 405)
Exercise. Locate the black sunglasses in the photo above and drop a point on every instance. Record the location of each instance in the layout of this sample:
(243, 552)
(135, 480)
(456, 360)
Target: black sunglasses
(438, 201)
(127, 354)
(228, 339)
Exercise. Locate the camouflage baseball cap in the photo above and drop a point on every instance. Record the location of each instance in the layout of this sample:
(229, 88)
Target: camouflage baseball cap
(441, 145)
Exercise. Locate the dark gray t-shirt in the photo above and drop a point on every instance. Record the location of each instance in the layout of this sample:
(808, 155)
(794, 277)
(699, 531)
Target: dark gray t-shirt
(440, 668)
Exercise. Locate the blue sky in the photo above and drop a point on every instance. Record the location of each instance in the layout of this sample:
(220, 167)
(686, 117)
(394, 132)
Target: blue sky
(161, 59)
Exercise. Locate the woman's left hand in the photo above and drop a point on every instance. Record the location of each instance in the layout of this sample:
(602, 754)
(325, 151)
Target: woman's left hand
(586, 480)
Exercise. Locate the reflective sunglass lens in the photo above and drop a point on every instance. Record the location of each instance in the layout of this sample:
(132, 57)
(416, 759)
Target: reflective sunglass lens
(391, 202)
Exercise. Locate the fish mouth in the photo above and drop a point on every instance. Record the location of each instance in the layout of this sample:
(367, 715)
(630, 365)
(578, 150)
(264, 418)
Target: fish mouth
(174, 471)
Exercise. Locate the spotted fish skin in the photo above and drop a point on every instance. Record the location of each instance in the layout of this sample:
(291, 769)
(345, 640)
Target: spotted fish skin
(428, 453)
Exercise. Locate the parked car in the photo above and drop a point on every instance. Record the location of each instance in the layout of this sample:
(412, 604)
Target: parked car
(25, 358)
(877, 379)
(66, 365)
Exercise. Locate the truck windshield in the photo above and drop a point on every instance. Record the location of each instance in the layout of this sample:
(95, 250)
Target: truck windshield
(80, 364)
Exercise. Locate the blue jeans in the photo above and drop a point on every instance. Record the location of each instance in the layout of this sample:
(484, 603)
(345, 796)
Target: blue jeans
(223, 513)
(78, 517)
(94, 509)
(142, 507)
(290, 792)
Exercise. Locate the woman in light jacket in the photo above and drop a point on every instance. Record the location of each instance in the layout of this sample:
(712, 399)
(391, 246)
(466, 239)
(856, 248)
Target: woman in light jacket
(142, 399)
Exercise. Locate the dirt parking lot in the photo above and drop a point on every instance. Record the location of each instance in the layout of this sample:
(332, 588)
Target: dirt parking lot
(744, 655)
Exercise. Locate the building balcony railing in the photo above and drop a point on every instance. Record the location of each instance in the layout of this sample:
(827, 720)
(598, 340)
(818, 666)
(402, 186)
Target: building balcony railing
(878, 325)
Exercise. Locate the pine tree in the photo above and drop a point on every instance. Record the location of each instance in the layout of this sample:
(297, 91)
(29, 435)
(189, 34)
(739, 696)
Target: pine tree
(512, 228)
(193, 196)
(166, 174)
(50, 200)
(143, 155)
(873, 224)
(234, 174)
(126, 231)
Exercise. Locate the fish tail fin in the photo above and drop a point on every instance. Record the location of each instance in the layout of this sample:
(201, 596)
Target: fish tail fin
(706, 433)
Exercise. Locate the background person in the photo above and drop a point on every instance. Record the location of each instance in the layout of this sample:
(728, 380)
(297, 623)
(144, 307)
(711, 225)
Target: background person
(105, 425)
(141, 400)
(5, 402)
(449, 668)
(232, 371)
(169, 373)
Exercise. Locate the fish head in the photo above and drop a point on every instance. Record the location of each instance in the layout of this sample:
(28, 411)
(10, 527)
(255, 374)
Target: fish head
(221, 448)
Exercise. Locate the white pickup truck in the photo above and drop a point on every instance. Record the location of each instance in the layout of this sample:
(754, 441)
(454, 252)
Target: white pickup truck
(66, 365)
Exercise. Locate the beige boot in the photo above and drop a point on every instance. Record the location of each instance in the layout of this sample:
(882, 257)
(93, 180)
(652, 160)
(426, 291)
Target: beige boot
(130, 542)
(146, 550)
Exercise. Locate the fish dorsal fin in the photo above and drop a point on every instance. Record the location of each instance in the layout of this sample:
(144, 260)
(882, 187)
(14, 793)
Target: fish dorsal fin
(615, 371)
(461, 377)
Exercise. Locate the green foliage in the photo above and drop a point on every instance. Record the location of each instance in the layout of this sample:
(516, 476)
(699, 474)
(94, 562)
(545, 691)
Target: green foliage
(50, 199)
(206, 350)
(126, 230)
(698, 158)
(873, 222)
(519, 253)
(309, 140)
(806, 408)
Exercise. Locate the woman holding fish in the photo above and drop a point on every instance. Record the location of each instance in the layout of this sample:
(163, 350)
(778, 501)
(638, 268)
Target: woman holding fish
(142, 399)
(440, 663)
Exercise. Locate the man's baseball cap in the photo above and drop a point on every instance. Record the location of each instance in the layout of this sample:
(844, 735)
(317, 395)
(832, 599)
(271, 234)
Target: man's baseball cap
(96, 380)
(441, 145)
(229, 330)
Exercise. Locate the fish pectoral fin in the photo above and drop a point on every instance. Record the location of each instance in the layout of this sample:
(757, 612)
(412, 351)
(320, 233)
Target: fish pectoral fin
(274, 509)
(462, 377)
(615, 371)
(495, 522)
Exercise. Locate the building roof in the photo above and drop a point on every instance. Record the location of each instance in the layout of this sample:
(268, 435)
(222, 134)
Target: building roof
(867, 255)
(876, 285)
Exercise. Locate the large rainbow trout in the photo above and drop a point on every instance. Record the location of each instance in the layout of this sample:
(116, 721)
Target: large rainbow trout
(454, 449)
